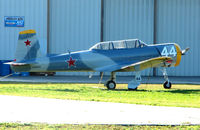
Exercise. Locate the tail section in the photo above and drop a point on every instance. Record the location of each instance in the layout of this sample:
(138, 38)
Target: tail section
(28, 46)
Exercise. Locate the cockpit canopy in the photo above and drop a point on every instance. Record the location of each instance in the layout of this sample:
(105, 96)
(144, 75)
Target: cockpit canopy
(122, 44)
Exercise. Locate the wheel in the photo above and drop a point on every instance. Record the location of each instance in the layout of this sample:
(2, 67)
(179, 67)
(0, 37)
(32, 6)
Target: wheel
(167, 85)
(111, 84)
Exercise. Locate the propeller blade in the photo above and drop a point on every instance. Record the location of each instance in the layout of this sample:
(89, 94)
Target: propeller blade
(183, 52)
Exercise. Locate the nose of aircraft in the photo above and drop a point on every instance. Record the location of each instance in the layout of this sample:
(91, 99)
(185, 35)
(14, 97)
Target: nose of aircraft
(179, 53)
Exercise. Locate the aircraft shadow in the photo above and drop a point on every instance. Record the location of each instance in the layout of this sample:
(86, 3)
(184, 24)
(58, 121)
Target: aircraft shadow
(190, 91)
(61, 90)
(183, 91)
(140, 90)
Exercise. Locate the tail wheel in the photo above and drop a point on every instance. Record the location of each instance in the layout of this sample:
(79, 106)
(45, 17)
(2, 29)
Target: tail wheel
(167, 85)
(111, 84)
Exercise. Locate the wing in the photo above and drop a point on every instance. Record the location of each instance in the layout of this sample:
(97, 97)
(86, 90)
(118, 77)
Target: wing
(141, 65)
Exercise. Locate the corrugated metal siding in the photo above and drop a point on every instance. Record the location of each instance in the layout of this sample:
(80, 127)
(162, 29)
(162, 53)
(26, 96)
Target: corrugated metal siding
(179, 21)
(35, 12)
(74, 25)
(128, 19)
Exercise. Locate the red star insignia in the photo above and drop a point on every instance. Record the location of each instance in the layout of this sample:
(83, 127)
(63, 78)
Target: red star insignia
(28, 43)
(71, 62)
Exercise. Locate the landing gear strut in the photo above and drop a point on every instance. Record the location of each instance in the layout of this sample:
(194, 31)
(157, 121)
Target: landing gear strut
(111, 84)
(133, 85)
(167, 84)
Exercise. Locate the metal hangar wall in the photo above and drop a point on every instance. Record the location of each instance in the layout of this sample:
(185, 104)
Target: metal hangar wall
(35, 14)
(74, 25)
(178, 21)
(128, 19)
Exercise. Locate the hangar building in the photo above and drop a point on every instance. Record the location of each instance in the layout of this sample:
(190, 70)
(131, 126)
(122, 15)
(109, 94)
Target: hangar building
(74, 25)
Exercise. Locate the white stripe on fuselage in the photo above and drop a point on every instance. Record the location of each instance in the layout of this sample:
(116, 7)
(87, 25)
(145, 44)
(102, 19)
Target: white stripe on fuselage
(95, 60)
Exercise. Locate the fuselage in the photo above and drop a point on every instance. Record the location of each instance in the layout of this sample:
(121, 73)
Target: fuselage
(91, 60)
(108, 56)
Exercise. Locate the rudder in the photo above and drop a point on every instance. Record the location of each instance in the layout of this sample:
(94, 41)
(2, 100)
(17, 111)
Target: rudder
(28, 46)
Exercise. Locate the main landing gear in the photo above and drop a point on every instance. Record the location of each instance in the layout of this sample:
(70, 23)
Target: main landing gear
(111, 83)
(132, 85)
(167, 84)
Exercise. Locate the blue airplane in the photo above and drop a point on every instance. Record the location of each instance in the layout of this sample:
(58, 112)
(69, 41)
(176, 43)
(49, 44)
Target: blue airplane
(110, 56)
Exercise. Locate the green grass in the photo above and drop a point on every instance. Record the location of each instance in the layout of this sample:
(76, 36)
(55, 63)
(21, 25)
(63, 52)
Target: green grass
(15, 126)
(179, 95)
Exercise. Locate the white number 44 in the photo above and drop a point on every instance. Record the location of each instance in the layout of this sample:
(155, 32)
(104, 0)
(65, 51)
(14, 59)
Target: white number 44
(171, 52)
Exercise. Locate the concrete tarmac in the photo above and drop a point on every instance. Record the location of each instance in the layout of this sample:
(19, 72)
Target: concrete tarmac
(56, 111)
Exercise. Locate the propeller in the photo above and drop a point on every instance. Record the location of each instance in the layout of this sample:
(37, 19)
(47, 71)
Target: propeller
(183, 52)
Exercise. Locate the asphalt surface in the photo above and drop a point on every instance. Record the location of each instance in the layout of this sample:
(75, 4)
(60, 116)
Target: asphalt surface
(96, 79)
(56, 111)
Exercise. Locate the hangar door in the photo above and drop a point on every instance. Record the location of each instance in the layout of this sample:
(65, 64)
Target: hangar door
(129, 19)
(178, 21)
(74, 26)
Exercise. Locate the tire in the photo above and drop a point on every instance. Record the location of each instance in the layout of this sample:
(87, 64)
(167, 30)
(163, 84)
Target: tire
(167, 85)
(111, 85)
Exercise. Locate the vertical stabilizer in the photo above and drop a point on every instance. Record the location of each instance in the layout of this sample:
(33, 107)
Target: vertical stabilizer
(28, 46)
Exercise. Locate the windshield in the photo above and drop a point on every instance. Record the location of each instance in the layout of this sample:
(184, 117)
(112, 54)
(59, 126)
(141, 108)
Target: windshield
(122, 44)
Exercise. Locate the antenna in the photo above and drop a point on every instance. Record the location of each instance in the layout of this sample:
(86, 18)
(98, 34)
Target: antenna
(69, 52)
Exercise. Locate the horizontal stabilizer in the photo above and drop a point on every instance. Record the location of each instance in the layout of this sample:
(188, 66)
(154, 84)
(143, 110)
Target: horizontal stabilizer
(16, 64)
